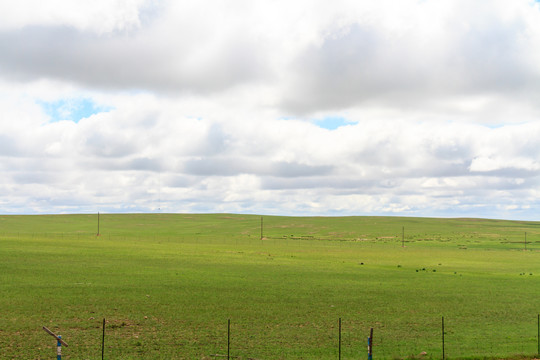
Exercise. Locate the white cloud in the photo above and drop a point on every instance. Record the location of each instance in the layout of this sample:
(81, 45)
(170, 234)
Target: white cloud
(441, 53)
(101, 16)
(213, 106)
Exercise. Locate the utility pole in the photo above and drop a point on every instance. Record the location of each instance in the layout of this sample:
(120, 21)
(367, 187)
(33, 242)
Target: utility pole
(261, 228)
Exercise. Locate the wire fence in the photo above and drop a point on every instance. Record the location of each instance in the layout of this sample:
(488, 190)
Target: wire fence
(282, 240)
(342, 339)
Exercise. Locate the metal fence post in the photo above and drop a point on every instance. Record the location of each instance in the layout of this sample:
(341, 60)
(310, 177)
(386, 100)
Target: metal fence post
(443, 337)
(103, 341)
(370, 344)
(339, 342)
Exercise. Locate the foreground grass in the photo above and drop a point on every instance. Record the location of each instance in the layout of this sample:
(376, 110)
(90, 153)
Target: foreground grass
(168, 283)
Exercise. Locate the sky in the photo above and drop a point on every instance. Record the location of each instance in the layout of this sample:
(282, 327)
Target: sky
(312, 108)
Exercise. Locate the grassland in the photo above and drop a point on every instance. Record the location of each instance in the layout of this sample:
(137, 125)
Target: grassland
(168, 283)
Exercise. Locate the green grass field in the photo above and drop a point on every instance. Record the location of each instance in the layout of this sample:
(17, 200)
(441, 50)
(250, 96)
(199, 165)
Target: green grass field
(167, 284)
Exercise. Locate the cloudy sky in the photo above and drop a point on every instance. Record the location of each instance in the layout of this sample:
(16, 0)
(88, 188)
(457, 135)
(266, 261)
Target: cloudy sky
(387, 107)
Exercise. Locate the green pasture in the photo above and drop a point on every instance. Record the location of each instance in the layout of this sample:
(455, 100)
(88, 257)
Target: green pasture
(168, 283)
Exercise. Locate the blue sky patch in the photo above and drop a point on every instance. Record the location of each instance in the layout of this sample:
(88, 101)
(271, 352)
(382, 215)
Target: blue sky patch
(331, 122)
(73, 109)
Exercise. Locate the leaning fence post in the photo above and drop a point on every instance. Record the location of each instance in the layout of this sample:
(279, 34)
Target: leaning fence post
(59, 343)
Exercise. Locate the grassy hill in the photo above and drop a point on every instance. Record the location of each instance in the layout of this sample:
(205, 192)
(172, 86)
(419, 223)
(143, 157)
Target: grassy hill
(168, 283)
